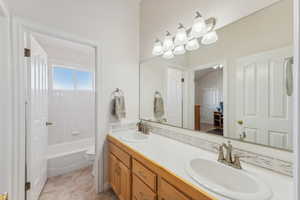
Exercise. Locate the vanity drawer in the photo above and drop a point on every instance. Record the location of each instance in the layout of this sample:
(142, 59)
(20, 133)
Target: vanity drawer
(144, 174)
(140, 191)
(168, 192)
(120, 154)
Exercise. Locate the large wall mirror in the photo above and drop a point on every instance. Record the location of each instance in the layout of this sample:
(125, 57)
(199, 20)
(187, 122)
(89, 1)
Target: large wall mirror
(239, 87)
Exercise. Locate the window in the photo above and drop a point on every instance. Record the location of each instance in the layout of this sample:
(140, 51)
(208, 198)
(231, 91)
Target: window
(71, 79)
(84, 80)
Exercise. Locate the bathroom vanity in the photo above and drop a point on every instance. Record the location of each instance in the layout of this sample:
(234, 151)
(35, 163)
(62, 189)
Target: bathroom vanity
(134, 176)
(156, 168)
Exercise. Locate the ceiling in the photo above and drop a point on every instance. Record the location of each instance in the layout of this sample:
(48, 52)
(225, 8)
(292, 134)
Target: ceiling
(66, 52)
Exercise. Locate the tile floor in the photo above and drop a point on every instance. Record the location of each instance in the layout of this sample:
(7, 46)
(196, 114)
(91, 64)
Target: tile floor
(77, 185)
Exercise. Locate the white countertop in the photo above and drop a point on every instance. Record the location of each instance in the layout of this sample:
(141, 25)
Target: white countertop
(174, 156)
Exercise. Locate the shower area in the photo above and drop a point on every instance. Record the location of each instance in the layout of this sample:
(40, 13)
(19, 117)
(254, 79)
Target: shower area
(62, 92)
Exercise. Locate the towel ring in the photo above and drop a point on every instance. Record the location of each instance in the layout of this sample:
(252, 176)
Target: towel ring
(117, 92)
(157, 94)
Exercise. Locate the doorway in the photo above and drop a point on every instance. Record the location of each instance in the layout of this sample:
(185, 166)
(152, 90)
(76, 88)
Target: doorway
(60, 117)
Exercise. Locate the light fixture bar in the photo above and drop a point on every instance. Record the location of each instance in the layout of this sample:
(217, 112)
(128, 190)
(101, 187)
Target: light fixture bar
(202, 31)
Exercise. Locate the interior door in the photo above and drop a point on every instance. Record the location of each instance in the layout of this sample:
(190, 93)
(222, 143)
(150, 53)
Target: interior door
(264, 111)
(174, 97)
(37, 116)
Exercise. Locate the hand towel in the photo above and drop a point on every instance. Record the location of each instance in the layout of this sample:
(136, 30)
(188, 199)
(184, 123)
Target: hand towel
(159, 109)
(119, 107)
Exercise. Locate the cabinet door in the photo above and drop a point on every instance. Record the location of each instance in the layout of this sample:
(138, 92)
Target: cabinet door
(114, 177)
(168, 192)
(125, 182)
(140, 191)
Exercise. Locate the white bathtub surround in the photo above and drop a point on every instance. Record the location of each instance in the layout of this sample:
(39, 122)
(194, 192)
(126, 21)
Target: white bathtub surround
(272, 159)
(174, 156)
(72, 114)
(67, 157)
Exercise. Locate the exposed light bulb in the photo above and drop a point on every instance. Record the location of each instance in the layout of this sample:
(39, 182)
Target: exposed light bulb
(181, 36)
(192, 45)
(157, 48)
(199, 26)
(210, 38)
(179, 50)
(168, 54)
(168, 43)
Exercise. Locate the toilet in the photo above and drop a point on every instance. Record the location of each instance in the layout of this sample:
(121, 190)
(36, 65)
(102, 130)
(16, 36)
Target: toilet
(90, 155)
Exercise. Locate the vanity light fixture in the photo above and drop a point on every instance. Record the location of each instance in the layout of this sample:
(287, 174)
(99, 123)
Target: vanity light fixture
(157, 48)
(192, 45)
(199, 27)
(179, 50)
(210, 38)
(187, 39)
(218, 67)
(168, 54)
(168, 44)
(181, 36)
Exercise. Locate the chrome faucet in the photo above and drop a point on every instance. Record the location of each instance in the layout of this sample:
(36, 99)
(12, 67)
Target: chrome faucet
(143, 127)
(228, 160)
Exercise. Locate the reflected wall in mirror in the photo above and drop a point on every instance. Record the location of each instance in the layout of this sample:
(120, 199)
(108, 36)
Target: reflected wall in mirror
(239, 87)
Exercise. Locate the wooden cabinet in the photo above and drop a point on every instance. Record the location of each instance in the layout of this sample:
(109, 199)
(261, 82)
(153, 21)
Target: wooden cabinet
(119, 178)
(134, 177)
(147, 176)
(169, 192)
(140, 191)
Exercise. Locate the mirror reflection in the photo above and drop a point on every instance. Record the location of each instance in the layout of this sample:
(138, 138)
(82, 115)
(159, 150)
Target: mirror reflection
(239, 87)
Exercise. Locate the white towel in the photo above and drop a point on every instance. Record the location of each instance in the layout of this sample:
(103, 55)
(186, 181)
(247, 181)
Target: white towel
(159, 109)
(119, 107)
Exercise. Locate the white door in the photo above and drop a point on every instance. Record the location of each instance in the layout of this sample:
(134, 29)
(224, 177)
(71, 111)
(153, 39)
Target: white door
(264, 111)
(37, 115)
(174, 97)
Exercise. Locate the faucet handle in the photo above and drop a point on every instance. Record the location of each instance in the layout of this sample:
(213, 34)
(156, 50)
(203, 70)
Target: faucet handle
(237, 163)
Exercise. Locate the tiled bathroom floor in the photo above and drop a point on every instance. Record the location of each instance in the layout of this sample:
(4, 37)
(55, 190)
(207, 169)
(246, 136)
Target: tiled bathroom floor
(77, 185)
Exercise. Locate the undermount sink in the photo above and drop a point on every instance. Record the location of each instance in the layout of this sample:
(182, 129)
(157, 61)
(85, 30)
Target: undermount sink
(232, 183)
(134, 136)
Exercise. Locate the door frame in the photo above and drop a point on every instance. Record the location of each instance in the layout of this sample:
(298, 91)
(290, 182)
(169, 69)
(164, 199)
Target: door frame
(190, 73)
(6, 100)
(18, 28)
(296, 100)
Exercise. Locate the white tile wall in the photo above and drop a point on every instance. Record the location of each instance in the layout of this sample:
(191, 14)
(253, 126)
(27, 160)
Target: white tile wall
(73, 115)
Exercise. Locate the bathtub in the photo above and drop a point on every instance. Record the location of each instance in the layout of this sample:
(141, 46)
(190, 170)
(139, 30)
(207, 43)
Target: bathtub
(67, 157)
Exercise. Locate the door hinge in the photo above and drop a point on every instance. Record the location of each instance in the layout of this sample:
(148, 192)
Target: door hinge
(27, 186)
(182, 80)
(27, 52)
